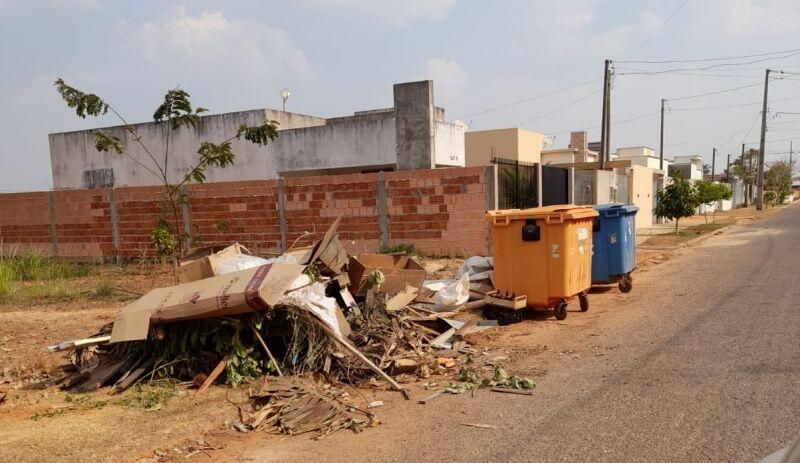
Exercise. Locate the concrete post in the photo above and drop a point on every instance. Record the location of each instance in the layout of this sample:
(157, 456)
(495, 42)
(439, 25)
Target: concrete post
(187, 220)
(491, 188)
(382, 208)
(414, 125)
(53, 233)
(282, 214)
(539, 188)
(112, 211)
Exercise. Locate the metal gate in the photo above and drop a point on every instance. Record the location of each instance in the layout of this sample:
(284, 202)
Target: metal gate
(555, 185)
(516, 187)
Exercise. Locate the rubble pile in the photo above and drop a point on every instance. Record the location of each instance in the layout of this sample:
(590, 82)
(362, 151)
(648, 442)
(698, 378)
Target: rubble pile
(234, 318)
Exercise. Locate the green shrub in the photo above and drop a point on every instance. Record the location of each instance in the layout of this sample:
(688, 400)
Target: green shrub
(7, 278)
(33, 266)
(400, 248)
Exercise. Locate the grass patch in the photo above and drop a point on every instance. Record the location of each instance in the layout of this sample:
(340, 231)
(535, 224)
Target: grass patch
(400, 248)
(104, 289)
(34, 276)
(151, 397)
(671, 238)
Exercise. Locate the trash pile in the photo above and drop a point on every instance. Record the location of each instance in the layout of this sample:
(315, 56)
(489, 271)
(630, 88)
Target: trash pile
(310, 312)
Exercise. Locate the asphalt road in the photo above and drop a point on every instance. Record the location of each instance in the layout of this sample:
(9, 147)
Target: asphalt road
(700, 362)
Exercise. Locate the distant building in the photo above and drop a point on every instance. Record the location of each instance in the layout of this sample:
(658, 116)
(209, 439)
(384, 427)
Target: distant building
(515, 144)
(577, 151)
(691, 167)
(411, 135)
(641, 156)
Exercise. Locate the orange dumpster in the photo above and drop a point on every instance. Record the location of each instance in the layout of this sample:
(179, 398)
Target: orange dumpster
(544, 253)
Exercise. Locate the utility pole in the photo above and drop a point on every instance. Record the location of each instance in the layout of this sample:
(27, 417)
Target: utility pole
(713, 162)
(728, 170)
(661, 138)
(604, 124)
(791, 163)
(760, 179)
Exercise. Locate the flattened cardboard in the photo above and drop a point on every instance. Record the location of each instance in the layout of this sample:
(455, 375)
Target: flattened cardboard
(400, 271)
(201, 264)
(248, 290)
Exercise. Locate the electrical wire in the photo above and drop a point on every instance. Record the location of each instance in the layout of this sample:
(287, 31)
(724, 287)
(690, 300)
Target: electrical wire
(572, 103)
(752, 124)
(532, 98)
(706, 108)
(704, 60)
(658, 31)
(709, 67)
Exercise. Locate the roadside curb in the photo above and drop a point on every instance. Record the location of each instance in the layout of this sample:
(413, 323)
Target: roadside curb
(690, 242)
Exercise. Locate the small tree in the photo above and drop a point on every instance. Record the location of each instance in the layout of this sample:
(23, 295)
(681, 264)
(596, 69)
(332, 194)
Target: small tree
(676, 200)
(173, 113)
(778, 182)
(708, 193)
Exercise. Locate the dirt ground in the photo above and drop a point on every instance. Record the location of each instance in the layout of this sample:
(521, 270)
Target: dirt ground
(39, 421)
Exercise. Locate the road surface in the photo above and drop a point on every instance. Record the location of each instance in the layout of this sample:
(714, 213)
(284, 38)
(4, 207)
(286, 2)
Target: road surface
(700, 362)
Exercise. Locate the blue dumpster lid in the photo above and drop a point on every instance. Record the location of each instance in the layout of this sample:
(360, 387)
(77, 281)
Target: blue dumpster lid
(615, 208)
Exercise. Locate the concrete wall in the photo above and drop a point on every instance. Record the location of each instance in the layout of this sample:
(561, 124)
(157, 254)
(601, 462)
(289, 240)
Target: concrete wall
(359, 141)
(521, 145)
(449, 144)
(560, 156)
(640, 183)
(72, 153)
(414, 117)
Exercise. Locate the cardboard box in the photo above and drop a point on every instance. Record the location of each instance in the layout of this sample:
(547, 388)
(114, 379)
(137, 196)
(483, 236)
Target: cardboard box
(400, 271)
(201, 263)
(250, 290)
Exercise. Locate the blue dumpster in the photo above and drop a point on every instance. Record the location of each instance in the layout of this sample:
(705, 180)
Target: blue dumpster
(614, 245)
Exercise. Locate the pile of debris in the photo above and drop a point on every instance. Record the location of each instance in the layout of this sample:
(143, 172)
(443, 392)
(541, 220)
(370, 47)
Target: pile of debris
(315, 311)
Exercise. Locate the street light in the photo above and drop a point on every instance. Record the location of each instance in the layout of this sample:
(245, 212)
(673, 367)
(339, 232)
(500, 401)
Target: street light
(285, 94)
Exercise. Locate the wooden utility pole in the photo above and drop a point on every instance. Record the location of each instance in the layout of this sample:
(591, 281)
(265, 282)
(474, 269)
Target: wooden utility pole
(713, 162)
(604, 124)
(760, 179)
(791, 162)
(661, 138)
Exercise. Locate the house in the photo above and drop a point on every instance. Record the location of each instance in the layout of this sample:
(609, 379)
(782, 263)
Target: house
(577, 151)
(642, 156)
(413, 134)
(691, 167)
(514, 144)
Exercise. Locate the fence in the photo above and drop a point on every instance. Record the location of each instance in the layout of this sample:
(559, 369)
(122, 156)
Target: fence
(516, 184)
(440, 212)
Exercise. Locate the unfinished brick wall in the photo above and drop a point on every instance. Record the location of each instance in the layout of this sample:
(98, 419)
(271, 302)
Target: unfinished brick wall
(245, 212)
(440, 212)
(25, 223)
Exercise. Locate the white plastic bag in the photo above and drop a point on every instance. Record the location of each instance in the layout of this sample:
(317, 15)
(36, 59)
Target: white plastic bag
(313, 299)
(237, 262)
(449, 293)
(480, 271)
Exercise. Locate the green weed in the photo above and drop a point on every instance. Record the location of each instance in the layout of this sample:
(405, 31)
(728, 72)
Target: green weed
(400, 248)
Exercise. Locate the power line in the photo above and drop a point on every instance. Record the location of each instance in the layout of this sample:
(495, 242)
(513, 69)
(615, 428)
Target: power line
(716, 92)
(752, 124)
(525, 100)
(703, 60)
(658, 31)
(709, 67)
(624, 121)
(572, 103)
(705, 108)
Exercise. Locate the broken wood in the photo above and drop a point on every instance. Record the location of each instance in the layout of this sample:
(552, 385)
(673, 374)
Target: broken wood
(480, 425)
(473, 305)
(511, 390)
(350, 348)
(401, 299)
(430, 398)
(441, 340)
(214, 374)
(266, 349)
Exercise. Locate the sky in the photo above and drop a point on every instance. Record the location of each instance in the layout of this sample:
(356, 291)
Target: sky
(490, 61)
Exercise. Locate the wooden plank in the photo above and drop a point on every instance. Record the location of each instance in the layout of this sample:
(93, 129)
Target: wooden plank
(214, 374)
(430, 398)
(402, 299)
(511, 390)
(440, 340)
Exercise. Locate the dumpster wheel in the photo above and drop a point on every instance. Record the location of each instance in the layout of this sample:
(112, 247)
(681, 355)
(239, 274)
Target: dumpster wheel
(560, 310)
(584, 301)
(626, 283)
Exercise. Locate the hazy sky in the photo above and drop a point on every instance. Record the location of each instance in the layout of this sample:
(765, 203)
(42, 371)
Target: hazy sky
(338, 56)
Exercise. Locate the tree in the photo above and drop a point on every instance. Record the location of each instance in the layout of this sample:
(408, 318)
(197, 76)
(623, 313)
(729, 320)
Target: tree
(778, 182)
(174, 113)
(676, 200)
(746, 168)
(708, 193)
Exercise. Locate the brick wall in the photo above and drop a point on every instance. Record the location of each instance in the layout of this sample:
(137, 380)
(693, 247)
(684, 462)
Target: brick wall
(441, 212)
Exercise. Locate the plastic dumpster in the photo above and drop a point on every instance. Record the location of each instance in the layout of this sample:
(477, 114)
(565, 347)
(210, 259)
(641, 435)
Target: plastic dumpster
(614, 245)
(545, 254)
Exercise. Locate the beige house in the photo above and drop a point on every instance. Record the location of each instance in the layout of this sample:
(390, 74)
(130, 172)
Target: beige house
(516, 144)
(577, 151)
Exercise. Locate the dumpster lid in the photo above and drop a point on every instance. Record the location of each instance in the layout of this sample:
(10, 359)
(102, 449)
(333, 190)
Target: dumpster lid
(615, 208)
(560, 211)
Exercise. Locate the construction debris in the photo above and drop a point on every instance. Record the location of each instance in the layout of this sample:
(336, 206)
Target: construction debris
(236, 317)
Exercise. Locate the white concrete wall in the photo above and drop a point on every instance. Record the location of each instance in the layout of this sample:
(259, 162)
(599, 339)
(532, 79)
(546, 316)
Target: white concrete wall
(565, 156)
(72, 153)
(448, 146)
(367, 141)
